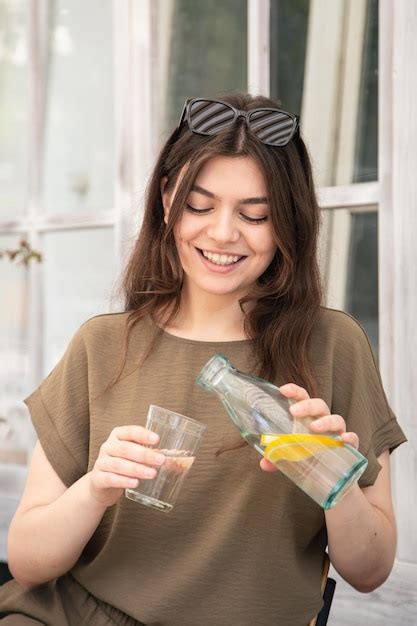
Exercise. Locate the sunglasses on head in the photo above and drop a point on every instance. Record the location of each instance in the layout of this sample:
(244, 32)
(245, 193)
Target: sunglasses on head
(210, 117)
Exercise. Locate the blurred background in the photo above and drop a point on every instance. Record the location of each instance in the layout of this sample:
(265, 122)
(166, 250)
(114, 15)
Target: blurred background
(88, 93)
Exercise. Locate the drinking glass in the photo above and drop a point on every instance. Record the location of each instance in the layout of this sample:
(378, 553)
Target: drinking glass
(180, 437)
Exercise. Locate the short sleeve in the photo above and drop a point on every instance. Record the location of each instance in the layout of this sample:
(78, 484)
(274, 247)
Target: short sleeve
(59, 409)
(358, 396)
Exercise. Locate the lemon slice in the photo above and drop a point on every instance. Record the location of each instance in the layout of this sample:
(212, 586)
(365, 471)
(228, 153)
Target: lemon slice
(297, 446)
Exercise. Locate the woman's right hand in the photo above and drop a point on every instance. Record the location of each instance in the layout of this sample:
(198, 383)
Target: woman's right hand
(123, 461)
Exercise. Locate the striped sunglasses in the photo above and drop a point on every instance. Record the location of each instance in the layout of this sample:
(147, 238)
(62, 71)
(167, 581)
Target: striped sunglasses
(209, 117)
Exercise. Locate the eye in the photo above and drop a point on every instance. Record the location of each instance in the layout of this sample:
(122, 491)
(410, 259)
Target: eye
(254, 220)
(194, 209)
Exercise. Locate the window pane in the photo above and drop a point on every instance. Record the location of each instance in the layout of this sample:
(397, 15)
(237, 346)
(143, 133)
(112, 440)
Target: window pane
(202, 49)
(362, 282)
(366, 157)
(78, 172)
(349, 260)
(15, 430)
(13, 321)
(324, 66)
(288, 40)
(14, 106)
(79, 271)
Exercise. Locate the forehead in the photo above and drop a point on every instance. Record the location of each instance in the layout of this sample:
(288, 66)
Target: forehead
(227, 175)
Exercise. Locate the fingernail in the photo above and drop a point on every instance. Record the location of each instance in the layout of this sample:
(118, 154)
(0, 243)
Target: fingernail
(159, 458)
(153, 438)
(150, 472)
(295, 410)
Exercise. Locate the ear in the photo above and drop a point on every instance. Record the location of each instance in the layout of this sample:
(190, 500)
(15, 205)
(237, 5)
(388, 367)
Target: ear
(166, 198)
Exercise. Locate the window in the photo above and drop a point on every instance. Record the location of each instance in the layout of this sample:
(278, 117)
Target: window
(88, 91)
(324, 66)
(14, 118)
(57, 174)
(201, 51)
(89, 126)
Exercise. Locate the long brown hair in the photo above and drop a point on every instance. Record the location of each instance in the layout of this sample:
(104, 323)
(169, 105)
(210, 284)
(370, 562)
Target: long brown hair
(287, 296)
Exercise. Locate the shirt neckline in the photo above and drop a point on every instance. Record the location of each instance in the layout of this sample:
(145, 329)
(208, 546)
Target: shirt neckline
(198, 342)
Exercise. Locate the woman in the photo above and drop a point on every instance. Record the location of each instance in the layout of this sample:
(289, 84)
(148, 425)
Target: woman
(225, 262)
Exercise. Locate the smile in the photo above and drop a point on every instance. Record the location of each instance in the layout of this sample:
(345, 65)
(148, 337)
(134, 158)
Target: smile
(220, 259)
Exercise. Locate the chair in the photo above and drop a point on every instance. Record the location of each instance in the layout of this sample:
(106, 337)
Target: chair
(5, 574)
(328, 586)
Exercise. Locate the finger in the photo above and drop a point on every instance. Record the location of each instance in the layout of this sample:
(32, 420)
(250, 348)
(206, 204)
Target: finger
(313, 407)
(267, 466)
(130, 469)
(290, 390)
(351, 438)
(107, 480)
(135, 452)
(135, 433)
(329, 423)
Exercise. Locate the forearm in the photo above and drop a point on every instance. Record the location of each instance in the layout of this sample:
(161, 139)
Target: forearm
(46, 541)
(362, 541)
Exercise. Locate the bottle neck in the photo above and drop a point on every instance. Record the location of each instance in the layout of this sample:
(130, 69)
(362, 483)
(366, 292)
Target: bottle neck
(217, 375)
(225, 381)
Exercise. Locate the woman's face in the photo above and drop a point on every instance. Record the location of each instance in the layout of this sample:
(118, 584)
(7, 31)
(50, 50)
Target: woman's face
(224, 237)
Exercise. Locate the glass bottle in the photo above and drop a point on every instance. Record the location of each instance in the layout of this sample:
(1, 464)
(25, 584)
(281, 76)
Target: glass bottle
(323, 466)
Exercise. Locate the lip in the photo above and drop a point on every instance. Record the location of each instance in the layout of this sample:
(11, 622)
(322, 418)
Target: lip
(219, 269)
(228, 252)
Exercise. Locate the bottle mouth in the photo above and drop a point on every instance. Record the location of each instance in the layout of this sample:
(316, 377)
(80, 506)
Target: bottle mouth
(208, 376)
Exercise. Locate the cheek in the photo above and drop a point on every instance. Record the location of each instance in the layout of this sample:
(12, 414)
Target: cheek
(184, 230)
(182, 238)
(178, 242)
(265, 245)
(180, 231)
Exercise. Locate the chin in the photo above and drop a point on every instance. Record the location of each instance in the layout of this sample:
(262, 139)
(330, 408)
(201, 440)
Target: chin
(217, 290)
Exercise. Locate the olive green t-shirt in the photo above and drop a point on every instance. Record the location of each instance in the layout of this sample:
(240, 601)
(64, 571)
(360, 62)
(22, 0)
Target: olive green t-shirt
(241, 546)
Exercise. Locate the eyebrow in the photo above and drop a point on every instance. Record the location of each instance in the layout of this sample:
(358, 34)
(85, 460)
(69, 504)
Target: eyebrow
(209, 194)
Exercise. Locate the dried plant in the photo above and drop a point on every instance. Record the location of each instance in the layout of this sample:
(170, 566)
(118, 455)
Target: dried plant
(23, 254)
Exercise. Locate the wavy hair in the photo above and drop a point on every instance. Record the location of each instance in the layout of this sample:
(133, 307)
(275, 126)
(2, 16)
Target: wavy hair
(287, 297)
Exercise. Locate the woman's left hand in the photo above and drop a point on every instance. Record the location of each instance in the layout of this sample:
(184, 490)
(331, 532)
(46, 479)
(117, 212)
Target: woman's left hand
(323, 422)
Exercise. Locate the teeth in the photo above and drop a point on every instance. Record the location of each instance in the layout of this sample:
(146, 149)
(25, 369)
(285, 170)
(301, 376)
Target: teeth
(220, 259)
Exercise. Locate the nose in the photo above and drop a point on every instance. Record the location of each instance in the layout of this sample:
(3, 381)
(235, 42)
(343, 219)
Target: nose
(223, 227)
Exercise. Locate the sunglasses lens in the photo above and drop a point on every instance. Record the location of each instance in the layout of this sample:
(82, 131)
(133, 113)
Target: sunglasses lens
(209, 117)
(272, 127)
